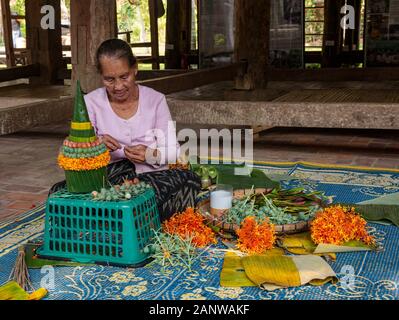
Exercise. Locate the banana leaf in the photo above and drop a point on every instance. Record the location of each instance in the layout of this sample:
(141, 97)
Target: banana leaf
(227, 174)
(86, 181)
(12, 291)
(380, 209)
(33, 262)
(233, 273)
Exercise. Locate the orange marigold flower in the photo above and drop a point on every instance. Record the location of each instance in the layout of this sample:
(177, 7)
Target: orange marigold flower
(84, 164)
(256, 238)
(338, 225)
(190, 224)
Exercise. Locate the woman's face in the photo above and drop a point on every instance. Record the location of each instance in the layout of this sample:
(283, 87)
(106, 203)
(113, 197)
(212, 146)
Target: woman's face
(118, 78)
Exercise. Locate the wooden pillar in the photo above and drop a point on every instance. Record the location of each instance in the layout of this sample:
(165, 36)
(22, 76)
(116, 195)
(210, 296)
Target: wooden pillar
(45, 45)
(7, 31)
(332, 33)
(178, 33)
(92, 22)
(152, 4)
(357, 4)
(252, 42)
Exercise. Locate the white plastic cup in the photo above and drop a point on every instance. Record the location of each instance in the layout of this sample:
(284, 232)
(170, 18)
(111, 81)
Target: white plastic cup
(221, 199)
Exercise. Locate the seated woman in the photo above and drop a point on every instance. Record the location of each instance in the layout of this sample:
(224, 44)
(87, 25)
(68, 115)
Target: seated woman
(135, 124)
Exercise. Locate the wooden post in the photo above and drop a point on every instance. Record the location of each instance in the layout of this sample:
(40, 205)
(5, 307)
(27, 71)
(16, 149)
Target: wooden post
(252, 42)
(178, 33)
(185, 32)
(172, 50)
(92, 22)
(154, 34)
(45, 45)
(7, 30)
(332, 33)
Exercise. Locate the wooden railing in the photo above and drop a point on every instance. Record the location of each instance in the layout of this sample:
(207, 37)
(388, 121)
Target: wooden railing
(15, 73)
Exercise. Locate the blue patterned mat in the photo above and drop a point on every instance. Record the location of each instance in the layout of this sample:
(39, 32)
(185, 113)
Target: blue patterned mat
(376, 274)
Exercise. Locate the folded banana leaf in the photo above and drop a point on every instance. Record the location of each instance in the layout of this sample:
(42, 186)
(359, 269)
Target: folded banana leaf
(12, 291)
(380, 209)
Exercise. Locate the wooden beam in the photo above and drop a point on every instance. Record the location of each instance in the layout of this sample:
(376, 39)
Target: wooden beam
(152, 74)
(192, 79)
(154, 33)
(14, 73)
(7, 32)
(141, 45)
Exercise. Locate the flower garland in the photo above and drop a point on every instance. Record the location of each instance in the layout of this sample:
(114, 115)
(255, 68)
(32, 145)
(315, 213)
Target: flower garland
(84, 164)
(338, 225)
(190, 224)
(254, 238)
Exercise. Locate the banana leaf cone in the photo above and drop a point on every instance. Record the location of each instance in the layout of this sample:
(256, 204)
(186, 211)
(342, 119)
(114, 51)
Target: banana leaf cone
(86, 181)
(83, 143)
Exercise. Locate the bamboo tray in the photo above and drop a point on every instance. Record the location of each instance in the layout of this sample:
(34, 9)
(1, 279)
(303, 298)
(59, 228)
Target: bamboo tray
(215, 220)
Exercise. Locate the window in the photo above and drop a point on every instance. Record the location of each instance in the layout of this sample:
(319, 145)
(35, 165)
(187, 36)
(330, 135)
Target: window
(314, 25)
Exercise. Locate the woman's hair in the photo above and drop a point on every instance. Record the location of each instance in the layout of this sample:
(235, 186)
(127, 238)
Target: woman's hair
(115, 48)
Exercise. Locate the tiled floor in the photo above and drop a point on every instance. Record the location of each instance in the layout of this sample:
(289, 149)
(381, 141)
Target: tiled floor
(28, 159)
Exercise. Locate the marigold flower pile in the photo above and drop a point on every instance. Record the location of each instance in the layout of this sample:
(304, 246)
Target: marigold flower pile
(190, 224)
(84, 164)
(254, 238)
(338, 225)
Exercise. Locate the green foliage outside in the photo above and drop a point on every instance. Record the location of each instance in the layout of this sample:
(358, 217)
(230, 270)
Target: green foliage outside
(313, 28)
(131, 17)
(135, 17)
(18, 7)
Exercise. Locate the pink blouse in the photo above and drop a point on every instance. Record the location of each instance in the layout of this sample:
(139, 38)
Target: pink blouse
(151, 126)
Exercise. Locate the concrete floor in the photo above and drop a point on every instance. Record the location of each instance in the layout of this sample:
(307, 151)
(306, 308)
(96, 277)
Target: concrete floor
(28, 165)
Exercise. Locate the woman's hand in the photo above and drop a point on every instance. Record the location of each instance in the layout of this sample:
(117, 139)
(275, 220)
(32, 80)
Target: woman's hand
(111, 143)
(142, 154)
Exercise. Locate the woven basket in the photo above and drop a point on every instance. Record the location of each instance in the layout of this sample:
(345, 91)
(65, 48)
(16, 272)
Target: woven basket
(215, 220)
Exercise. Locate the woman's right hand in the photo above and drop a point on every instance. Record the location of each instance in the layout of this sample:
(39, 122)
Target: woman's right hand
(111, 143)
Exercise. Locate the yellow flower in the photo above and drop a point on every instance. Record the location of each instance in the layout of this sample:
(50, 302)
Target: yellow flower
(136, 290)
(196, 295)
(229, 293)
(124, 277)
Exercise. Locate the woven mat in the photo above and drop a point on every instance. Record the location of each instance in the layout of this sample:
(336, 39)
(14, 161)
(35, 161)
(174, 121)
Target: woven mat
(373, 275)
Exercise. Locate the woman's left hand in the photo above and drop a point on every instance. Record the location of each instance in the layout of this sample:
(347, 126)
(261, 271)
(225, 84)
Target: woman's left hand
(141, 154)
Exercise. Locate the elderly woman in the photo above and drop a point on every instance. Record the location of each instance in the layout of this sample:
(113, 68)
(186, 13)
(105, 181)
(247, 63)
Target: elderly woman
(135, 124)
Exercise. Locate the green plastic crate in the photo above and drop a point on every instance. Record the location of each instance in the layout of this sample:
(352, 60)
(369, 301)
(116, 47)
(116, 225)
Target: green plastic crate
(86, 231)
